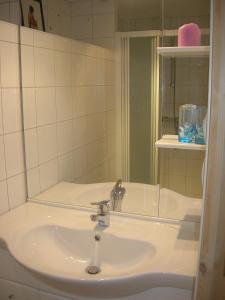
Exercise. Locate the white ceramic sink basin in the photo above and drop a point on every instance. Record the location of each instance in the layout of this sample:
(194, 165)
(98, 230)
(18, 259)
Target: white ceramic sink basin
(74, 250)
(58, 244)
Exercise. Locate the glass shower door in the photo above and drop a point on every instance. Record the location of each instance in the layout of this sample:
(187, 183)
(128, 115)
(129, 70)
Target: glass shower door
(142, 107)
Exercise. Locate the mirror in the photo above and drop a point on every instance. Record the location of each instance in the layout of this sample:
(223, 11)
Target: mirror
(9, 11)
(97, 95)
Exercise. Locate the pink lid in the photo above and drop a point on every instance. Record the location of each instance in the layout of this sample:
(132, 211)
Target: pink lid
(189, 35)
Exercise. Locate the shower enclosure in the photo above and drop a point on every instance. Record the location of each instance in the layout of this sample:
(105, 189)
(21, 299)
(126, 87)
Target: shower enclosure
(138, 115)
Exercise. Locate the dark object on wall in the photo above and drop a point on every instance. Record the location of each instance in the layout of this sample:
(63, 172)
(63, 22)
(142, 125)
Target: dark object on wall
(32, 14)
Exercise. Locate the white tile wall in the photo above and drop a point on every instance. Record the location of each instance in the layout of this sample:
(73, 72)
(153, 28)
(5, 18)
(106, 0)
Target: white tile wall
(180, 171)
(145, 22)
(9, 11)
(94, 20)
(67, 107)
(11, 109)
(12, 177)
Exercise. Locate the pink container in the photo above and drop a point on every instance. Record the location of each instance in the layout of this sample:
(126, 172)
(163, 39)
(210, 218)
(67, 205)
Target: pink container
(189, 35)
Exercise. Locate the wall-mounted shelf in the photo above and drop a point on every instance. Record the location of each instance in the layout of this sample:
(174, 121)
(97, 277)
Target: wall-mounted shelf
(171, 142)
(194, 51)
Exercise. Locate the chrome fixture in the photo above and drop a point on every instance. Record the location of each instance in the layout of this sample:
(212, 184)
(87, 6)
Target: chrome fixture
(117, 195)
(102, 216)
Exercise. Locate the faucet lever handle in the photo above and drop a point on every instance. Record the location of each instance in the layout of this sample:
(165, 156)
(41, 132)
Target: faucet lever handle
(102, 205)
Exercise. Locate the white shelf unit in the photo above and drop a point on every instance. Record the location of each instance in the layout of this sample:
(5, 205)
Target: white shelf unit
(171, 142)
(193, 51)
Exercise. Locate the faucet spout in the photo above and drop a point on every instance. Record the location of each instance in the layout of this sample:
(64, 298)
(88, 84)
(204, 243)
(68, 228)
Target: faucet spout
(117, 195)
(102, 216)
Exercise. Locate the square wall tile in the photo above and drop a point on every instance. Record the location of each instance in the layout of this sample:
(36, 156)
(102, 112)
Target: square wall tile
(27, 36)
(62, 44)
(177, 166)
(100, 6)
(4, 202)
(43, 39)
(81, 158)
(4, 12)
(79, 70)
(105, 42)
(80, 126)
(31, 148)
(14, 12)
(64, 103)
(47, 143)
(11, 107)
(81, 7)
(8, 31)
(65, 137)
(194, 167)
(91, 71)
(29, 108)
(33, 182)
(27, 61)
(17, 190)
(194, 186)
(86, 95)
(44, 67)
(48, 174)
(103, 25)
(177, 183)
(2, 159)
(9, 54)
(46, 106)
(82, 27)
(14, 153)
(79, 47)
(67, 167)
(63, 69)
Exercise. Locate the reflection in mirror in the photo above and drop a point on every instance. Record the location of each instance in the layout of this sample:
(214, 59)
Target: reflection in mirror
(9, 11)
(96, 101)
(184, 80)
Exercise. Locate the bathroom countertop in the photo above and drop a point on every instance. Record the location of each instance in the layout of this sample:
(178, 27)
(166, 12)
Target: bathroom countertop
(173, 264)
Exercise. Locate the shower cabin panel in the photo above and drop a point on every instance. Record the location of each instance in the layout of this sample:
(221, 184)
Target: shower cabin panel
(140, 109)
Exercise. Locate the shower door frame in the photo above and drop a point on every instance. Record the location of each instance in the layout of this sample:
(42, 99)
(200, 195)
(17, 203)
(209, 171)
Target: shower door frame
(122, 50)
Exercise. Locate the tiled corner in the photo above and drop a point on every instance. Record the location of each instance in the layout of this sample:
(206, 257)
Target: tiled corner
(29, 108)
(2, 159)
(17, 190)
(4, 201)
(11, 108)
(48, 174)
(14, 153)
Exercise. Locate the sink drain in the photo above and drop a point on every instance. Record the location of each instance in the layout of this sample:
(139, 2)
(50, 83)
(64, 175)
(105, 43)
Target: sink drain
(93, 270)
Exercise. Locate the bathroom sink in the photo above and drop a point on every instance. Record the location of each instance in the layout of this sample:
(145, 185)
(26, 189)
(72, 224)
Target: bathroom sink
(59, 244)
(74, 250)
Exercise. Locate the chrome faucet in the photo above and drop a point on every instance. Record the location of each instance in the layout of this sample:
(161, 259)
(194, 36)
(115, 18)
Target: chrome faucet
(117, 195)
(102, 216)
